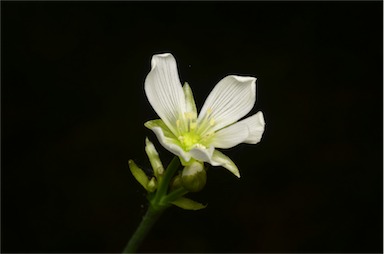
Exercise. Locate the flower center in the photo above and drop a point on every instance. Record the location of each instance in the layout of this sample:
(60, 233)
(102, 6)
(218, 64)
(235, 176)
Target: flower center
(193, 134)
(188, 140)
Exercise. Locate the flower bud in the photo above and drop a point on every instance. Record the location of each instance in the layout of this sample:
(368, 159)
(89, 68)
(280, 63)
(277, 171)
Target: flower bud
(152, 185)
(194, 177)
(139, 174)
(153, 156)
(176, 182)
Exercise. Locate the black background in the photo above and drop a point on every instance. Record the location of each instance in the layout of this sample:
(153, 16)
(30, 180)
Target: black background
(73, 108)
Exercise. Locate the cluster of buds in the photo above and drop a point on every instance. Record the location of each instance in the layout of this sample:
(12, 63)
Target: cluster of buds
(192, 178)
(150, 184)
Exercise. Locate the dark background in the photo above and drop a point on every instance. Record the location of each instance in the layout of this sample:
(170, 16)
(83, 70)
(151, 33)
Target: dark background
(73, 109)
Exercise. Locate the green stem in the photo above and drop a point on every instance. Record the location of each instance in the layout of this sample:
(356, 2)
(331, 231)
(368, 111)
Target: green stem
(164, 183)
(175, 194)
(142, 231)
(157, 205)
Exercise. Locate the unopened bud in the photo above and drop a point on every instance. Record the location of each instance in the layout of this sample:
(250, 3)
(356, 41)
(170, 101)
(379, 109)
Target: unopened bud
(153, 156)
(152, 185)
(139, 174)
(176, 182)
(194, 177)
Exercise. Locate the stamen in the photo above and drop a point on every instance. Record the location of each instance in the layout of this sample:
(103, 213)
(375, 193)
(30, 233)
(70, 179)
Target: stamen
(190, 120)
(212, 122)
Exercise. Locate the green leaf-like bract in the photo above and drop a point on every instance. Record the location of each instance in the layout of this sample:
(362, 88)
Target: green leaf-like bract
(188, 204)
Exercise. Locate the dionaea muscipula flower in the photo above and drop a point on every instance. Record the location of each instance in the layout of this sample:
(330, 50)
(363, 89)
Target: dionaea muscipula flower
(195, 137)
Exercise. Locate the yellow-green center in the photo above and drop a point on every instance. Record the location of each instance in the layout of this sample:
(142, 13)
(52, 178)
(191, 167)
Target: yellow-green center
(189, 139)
(192, 134)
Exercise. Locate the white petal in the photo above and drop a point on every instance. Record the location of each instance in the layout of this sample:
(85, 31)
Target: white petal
(220, 159)
(231, 136)
(167, 139)
(231, 99)
(256, 126)
(164, 90)
(201, 153)
(215, 158)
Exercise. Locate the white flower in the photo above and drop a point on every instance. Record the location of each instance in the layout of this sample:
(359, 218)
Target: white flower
(195, 137)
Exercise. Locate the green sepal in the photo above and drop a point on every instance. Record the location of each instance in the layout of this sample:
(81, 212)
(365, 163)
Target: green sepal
(159, 123)
(225, 162)
(139, 174)
(188, 204)
(190, 101)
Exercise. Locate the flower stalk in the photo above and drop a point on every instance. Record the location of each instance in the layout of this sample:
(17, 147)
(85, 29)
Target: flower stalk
(159, 201)
(143, 229)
